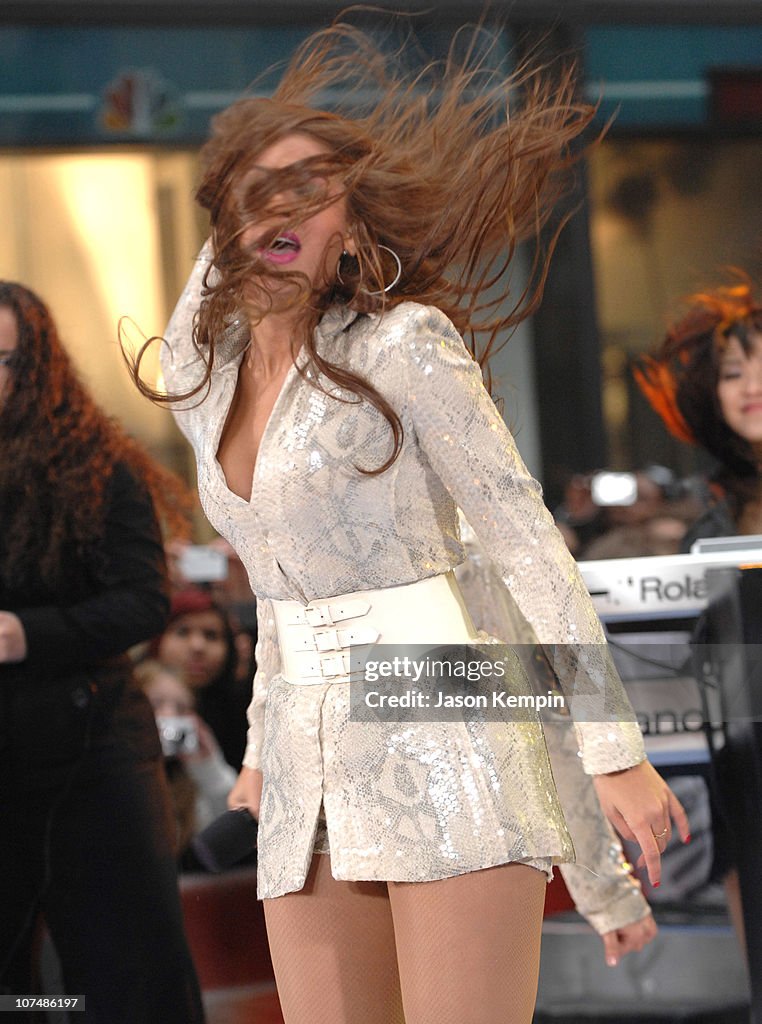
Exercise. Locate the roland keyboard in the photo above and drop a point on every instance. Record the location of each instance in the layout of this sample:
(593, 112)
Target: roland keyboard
(660, 586)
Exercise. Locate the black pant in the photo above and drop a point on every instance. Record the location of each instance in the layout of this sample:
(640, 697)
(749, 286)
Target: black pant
(90, 843)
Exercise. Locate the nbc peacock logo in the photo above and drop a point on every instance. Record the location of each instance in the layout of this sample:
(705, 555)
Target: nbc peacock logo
(139, 103)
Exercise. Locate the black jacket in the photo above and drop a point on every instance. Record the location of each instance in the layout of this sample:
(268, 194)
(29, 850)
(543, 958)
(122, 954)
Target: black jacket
(88, 620)
(76, 677)
(716, 521)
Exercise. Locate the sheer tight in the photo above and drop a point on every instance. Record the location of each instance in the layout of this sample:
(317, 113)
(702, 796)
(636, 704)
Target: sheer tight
(468, 948)
(332, 946)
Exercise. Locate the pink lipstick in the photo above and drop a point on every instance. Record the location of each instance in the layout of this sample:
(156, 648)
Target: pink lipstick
(284, 248)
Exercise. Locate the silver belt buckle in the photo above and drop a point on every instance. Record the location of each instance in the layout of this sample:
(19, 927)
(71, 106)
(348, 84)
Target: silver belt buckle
(320, 616)
(327, 640)
(334, 665)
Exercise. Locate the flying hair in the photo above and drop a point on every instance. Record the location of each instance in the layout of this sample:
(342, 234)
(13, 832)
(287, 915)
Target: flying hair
(452, 166)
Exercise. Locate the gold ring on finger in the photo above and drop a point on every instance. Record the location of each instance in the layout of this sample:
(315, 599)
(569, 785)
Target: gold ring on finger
(660, 835)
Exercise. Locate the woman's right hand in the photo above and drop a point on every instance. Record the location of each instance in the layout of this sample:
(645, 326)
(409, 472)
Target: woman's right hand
(247, 791)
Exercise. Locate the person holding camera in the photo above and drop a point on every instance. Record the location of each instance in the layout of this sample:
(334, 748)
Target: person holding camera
(200, 778)
(198, 643)
(86, 841)
(625, 515)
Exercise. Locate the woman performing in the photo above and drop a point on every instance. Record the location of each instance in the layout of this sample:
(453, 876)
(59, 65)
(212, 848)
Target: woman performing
(315, 362)
(87, 838)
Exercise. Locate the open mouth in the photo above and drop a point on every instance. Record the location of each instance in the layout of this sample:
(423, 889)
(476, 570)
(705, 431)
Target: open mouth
(283, 249)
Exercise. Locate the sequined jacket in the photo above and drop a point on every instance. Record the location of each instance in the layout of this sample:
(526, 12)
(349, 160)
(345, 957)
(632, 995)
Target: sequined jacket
(601, 881)
(315, 527)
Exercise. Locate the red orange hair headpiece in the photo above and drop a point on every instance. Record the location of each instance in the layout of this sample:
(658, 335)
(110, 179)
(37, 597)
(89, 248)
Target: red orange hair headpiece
(711, 317)
(659, 385)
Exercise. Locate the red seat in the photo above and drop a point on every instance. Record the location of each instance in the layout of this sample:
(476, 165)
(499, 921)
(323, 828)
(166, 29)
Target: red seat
(225, 925)
(557, 898)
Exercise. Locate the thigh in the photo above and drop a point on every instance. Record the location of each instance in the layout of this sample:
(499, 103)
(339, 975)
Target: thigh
(332, 946)
(113, 906)
(469, 946)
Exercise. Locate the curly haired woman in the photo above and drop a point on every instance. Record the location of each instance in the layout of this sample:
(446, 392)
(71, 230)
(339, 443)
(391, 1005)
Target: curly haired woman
(87, 835)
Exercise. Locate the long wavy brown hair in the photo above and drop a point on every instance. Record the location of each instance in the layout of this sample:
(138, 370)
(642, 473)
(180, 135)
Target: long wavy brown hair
(680, 379)
(451, 167)
(57, 455)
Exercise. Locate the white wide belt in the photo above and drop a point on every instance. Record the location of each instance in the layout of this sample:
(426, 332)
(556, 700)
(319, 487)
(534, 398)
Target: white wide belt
(316, 639)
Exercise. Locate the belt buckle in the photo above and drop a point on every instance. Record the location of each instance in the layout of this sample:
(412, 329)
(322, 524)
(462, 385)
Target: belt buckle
(333, 665)
(319, 616)
(326, 640)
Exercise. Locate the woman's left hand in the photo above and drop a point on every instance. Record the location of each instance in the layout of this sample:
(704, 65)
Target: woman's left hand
(630, 938)
(12, 638)
(641, 807)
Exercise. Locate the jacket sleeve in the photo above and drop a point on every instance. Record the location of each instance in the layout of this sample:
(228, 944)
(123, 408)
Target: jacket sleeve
(130, 604)
(600, 883)
(181, 362)
(469, 447)
(267, 655)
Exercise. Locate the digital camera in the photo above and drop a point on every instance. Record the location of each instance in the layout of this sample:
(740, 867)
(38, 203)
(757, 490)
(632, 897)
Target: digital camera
(178, 734)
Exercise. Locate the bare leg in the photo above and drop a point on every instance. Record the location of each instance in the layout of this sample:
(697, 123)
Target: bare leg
(332, 946)
(469, 946)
